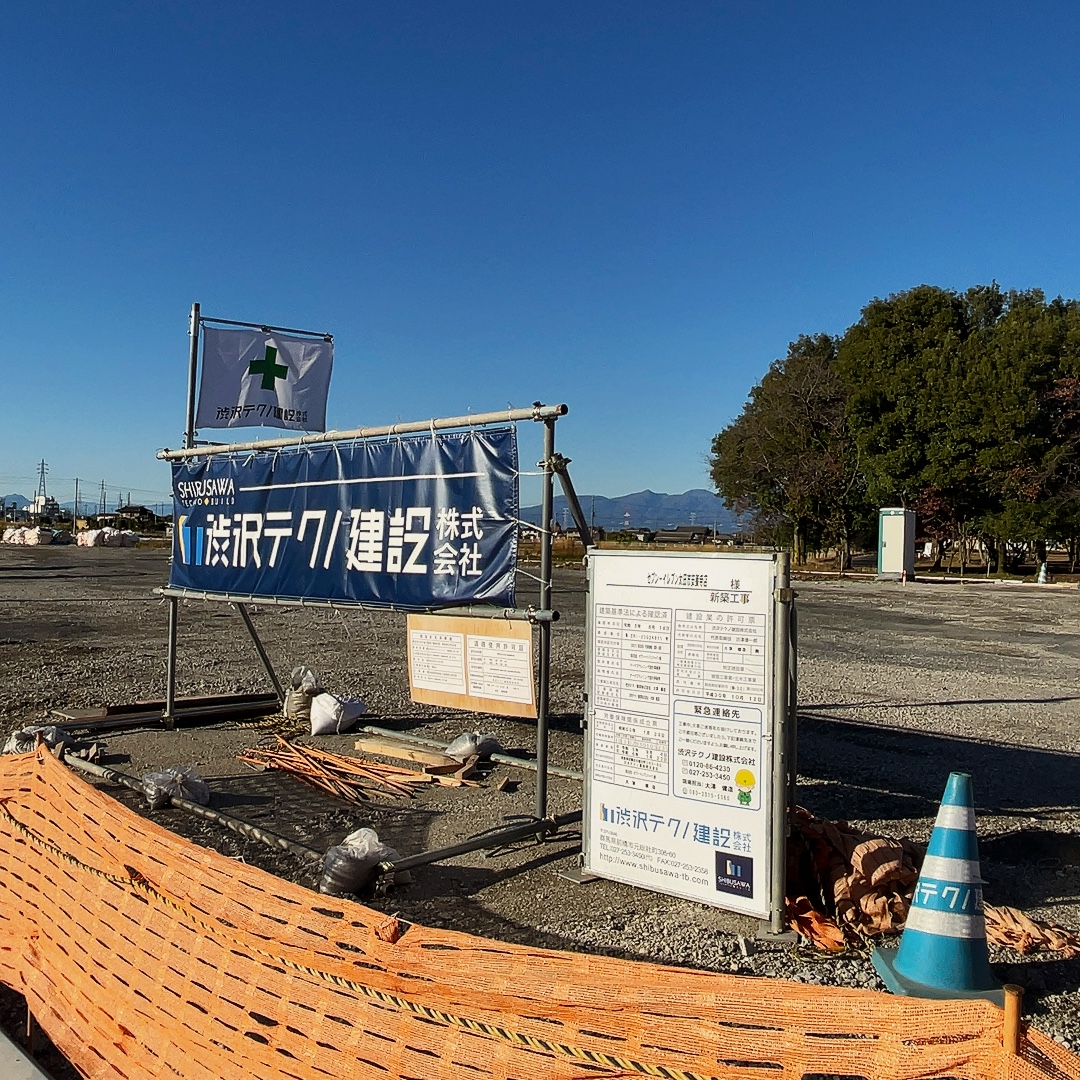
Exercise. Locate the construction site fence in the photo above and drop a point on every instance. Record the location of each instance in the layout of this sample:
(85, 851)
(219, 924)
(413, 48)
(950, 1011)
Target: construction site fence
(142, 955)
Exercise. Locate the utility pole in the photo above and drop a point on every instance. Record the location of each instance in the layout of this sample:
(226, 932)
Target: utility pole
(75, 507)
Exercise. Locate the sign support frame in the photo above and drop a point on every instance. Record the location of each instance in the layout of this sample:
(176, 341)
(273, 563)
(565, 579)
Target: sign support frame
(542, 615)
(783, 786)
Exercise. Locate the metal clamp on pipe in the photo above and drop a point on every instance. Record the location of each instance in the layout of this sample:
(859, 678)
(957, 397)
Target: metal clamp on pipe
(558, 463)
(538, 827)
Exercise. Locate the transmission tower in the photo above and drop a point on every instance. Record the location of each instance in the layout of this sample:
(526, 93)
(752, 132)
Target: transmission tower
(102, 506)
(42, 469)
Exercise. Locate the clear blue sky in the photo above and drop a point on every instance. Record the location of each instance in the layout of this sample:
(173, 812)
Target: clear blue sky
(631, 207)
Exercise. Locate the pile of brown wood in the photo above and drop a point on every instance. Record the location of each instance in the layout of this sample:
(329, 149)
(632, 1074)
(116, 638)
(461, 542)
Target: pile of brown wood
(350, 778)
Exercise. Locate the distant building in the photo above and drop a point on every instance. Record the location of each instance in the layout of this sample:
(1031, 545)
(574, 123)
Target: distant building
(42, 506)
(133, 516)
(683, 534)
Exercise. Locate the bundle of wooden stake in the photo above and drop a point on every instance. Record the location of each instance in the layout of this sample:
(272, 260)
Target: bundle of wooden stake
(353, 779)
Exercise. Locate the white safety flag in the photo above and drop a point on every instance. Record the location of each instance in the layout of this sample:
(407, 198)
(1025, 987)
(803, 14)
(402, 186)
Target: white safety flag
(253, 378)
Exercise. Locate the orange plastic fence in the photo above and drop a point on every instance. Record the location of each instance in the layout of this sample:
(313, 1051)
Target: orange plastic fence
(143, 955)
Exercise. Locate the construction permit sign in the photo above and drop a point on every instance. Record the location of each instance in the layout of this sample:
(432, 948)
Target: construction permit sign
(679, 724)
(482, 665)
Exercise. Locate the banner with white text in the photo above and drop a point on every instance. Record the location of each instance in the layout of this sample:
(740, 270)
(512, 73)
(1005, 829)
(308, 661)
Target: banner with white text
(413, 522)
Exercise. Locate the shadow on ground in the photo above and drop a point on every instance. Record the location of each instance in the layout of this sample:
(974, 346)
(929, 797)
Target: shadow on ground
(879, 773)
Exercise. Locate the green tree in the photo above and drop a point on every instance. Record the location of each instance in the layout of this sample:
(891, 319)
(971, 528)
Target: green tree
(962, 406)
(788, 457)
(1031, 420)
(904, 363)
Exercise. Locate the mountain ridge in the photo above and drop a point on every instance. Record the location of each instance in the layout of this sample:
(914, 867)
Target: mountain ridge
(646, 509)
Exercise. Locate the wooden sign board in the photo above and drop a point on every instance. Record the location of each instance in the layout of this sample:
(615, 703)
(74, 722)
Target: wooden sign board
(481, 665)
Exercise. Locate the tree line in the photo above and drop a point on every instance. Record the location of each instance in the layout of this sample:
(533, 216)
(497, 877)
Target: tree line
(964, 407)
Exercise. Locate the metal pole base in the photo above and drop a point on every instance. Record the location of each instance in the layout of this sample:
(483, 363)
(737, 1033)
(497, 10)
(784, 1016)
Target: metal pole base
(782, 937)
(578, 875)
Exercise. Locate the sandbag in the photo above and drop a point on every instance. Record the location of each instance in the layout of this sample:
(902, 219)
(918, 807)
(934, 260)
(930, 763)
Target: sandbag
(349, 866)
(331, 715)
(25, 739)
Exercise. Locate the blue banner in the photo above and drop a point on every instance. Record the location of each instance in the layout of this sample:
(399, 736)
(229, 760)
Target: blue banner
(412, 522)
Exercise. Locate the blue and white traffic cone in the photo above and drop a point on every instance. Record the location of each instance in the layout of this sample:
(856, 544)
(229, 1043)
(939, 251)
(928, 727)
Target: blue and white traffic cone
(943, 951)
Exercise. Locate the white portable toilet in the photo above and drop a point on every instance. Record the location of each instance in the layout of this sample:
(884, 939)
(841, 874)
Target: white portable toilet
(896, 542)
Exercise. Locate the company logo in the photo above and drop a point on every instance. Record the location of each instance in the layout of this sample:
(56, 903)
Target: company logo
(735, 874)
(212, 491)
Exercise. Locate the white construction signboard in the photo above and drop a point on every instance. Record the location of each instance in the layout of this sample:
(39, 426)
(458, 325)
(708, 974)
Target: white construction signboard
(680, 724)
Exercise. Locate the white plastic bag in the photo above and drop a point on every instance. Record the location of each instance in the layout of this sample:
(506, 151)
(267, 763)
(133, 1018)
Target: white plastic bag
(472, 742)
(177, 782)
(331, 715)
(25, 740)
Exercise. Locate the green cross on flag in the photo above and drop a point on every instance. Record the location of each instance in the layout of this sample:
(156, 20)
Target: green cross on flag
(268, 368)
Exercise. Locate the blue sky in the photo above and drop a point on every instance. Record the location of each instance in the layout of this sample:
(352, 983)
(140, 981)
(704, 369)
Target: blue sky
(630, 207)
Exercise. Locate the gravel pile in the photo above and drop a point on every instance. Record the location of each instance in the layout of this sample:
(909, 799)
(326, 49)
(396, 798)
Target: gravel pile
(898, 686)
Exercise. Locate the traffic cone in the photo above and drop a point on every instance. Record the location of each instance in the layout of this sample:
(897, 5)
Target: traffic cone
(943, 951)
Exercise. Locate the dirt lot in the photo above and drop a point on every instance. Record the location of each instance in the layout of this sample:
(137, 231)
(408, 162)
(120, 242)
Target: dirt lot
(898, 686)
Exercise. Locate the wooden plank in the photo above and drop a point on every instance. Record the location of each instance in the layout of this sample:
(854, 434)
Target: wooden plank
(208, 703)
(195, 701)
(378, 744)
(446, 769)
(79, 714)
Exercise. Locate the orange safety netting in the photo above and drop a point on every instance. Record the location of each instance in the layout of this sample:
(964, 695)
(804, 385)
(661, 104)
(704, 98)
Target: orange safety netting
(143, 955)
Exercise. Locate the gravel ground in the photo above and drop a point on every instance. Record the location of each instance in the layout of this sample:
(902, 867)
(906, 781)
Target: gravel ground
(898, 686)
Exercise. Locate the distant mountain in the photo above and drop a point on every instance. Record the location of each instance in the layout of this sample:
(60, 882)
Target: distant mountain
(646, 509)
(19, 500)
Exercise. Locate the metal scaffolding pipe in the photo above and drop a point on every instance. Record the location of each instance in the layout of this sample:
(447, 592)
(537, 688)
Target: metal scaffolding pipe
(544, 689)
(545, 413)
(193, 367)
(781, 697)
(538, 827)
(271, 839)
(261, 650)
(170, 666)
(584, 531)
(529, 614)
